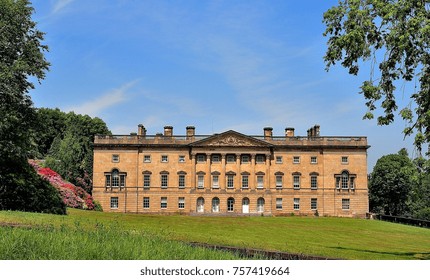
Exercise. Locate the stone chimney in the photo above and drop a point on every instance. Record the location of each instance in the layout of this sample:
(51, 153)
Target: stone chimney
(168, 131)
(141, 130)
(317, 130)
(191, 131)
(289, 132)
(314, 131)
(268, 133)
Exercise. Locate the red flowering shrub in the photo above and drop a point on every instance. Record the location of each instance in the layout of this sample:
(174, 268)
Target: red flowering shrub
(73, 196)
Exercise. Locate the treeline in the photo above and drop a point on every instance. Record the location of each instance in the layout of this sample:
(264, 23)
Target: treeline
(65, 142)
(400, 186)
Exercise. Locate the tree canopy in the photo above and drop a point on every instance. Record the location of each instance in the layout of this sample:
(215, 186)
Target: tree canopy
(21, 58)
(393, 36)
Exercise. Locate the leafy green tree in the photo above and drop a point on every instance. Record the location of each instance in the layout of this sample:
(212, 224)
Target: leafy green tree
(394, 38)
(71, 155)
(419, 195)
(21, 58)
(390, 183)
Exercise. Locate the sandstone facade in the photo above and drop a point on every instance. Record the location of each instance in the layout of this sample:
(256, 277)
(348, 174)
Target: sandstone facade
(231, 173)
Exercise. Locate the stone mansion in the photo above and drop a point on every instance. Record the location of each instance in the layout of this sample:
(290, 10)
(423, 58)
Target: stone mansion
(231, 173)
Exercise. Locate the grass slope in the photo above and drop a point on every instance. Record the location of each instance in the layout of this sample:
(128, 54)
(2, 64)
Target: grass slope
(343, 238)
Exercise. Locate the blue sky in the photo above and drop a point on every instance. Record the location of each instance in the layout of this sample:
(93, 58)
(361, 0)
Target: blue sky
(217, 65)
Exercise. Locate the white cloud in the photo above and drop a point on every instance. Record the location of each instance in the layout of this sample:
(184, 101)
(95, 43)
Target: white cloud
(59, 5)
(109, 99)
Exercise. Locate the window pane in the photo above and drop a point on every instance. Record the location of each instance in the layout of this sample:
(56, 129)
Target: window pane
(245, 181)
(230, 181)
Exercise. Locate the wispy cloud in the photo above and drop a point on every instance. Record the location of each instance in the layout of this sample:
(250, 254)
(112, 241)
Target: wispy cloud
(109, 99)
(60, 4)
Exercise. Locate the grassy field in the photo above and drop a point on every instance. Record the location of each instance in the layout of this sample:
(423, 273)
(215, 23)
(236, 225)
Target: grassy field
(99, 236)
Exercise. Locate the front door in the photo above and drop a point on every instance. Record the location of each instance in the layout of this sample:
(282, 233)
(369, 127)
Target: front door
(245, 205)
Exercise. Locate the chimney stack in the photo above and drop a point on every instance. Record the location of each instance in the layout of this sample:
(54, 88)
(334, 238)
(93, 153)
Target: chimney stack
(190, 132)
(289, 132)
(141, 130)
(168, 131)
(268, 133)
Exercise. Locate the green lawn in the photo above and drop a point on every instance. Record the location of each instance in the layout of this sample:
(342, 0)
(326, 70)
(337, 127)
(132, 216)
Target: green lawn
(343, 238)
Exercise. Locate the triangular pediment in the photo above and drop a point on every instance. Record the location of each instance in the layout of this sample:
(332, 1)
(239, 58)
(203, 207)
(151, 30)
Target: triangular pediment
(231, 138)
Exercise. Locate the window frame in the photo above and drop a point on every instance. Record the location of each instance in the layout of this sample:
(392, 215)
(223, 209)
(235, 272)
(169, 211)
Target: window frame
(230, 181)
(314, 160)
(114, 202)
(164, 180)
(296, 159)
(296, 203)
(146, 158)
(260, 181)
(164, 158)
(346, 204)
(181, 181)
(181, 202)
(200, 181)
(163, 202)
(115, 158)
(278, 160)
(181, 158)
(314, 203)
(146, 202)
(279, 203)
(296, 181)
(245, 181)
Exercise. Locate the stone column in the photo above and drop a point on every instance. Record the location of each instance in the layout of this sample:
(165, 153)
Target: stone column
(223, 178)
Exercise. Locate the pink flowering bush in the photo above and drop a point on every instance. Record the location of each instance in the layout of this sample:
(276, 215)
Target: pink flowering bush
(73, 196)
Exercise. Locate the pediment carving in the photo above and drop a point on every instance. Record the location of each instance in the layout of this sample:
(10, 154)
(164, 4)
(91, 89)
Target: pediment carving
(231, 139)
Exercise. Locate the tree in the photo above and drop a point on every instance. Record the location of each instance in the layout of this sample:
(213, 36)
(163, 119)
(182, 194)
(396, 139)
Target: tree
(390, 184)
(21, 58)
(71, 152)
(397, 32)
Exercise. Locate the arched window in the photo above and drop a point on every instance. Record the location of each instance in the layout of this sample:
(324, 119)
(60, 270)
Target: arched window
(115, 179)
(215, 204)
(200, 205)
(230, 204)
(345, 180)
(260, 205)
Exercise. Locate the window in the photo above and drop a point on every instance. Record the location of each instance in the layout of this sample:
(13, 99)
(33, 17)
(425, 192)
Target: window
(245, 159)
(181, 202)
(200, 181)
(230, 204)
(216, 159)
(115, 158)
(278, 159)
(230, 181)
(296, 203)
(344, 160)
(163, 203)
(314, 204)
(231, 159)
(345, 203)
(146, 203)
(314, 182)
(279, 204)
(259, 159)
(345, 180)
(115, 179)
(260, 181)
(164, 181)
(296, 181)
(181, 158)
(215, 204)
(146, 158)
(215, 181)
(146, 181)
(164, 158)
(260, 205)
(314, 160)
(201, 158)
(279, 178)
(108, 180)
(296, 159)
(245, 181)
(181, 181)
(200, 205)
(114, 203)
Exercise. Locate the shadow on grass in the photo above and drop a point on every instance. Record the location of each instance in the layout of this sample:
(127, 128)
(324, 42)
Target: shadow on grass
(414, 255)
